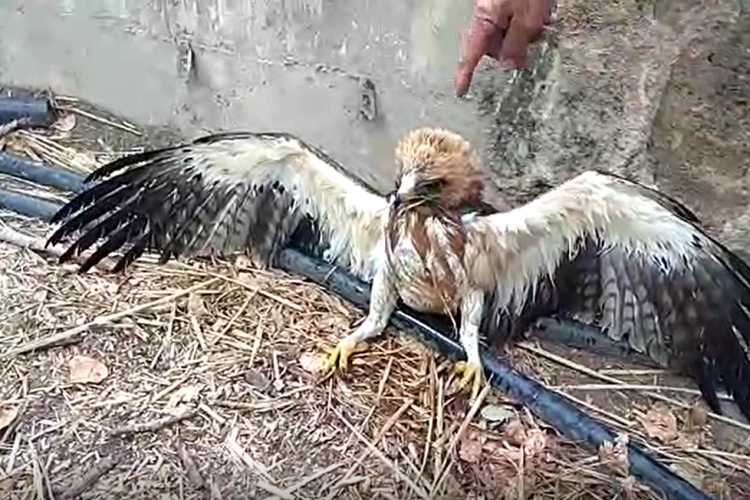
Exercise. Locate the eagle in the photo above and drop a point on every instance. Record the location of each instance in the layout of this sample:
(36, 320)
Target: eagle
(597, 248)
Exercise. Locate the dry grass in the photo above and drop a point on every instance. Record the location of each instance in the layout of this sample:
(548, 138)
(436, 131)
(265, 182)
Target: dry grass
(206, 383)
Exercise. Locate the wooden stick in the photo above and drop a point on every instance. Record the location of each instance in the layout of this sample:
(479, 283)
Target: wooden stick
(101, 320)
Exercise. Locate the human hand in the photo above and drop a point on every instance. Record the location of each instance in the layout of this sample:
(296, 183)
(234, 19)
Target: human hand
(503, 30)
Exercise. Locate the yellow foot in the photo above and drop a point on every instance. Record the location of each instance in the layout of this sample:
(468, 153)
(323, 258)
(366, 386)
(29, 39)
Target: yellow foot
(338, 357)
(471, 377)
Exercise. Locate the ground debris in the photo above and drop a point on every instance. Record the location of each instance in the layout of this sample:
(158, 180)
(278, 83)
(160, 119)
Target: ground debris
(231, 355)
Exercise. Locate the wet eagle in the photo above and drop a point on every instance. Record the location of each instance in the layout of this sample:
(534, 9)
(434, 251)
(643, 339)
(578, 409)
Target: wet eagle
(623, 256)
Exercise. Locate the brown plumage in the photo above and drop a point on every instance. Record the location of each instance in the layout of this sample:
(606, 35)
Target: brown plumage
(598, 248)
(446, 158)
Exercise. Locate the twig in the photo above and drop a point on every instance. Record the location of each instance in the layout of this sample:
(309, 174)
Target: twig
(41, 478)
(459, 433)
(236, 315)
(275, 490)
(194, 476)
(365, 453)
(264, 293)
(631, 387)
(231, 443)
(157, 424)
(90, 478)
(101, 320)
(308, 480)
(419, 491)
(617, 382)
(611, 416)
(13, 125)
(103, 120)
(171, 387)
(22, 240)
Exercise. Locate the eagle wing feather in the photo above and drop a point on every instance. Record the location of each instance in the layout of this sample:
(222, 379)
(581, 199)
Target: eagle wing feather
(226, 193)
(611, 252)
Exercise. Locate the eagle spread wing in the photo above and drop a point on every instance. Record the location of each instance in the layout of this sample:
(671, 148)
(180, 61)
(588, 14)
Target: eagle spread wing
(607, 251)
(226, 193)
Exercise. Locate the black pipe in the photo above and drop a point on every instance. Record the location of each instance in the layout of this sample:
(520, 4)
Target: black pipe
(31, 206)
(32, 112)
(551, 408)
(578, 335)
(546, 405)
(40, 173)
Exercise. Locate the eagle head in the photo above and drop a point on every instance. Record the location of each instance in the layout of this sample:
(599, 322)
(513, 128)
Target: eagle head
(437, 169)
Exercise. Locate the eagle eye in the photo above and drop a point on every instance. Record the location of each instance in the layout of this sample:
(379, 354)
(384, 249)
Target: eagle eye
(432, 185)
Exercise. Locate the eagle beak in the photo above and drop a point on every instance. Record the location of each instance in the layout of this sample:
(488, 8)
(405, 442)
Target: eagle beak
(401, 198)
(396, 200)
(405, 190)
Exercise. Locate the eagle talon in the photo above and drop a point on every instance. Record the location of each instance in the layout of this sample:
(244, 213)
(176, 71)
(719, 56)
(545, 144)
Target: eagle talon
(471, 377)
(338, 357)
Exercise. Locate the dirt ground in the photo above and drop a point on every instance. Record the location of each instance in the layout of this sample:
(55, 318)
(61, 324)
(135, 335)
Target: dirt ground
(202, 380)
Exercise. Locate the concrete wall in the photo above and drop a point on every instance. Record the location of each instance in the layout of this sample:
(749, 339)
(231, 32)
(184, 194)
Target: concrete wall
(655, 89)
(303, 66)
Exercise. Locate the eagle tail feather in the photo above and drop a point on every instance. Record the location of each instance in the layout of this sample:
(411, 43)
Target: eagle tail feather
(724, 346)
(732, 348)
(92, 213)
(706, 375)
(113, 243)
(133, 253)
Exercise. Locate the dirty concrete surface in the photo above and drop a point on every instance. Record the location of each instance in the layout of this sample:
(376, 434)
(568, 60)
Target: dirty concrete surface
(658, 90)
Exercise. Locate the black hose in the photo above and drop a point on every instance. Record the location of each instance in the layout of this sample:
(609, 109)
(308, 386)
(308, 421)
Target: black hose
(33, 112)
(30, 206)
(546, 405)
(578, 335)
(551, 408)
(40, 173)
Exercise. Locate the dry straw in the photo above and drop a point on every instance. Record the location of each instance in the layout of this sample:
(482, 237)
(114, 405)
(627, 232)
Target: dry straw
(213, 388)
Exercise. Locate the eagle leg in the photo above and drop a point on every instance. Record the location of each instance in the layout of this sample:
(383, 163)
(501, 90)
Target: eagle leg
(383, 298)
(338, 357)
(471, 377)
(471, 371)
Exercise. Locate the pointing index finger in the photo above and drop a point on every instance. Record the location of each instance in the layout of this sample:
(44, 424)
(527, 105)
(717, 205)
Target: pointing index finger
(475, 47)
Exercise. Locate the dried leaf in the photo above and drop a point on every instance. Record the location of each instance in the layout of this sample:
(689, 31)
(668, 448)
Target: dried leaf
(515, 432)
(312, 363)
(698, 415)
(219, 325)
(659, 422)
(86, 370)
(470, 448)
(66, 123)
(615, 454)
(536, 441)
(7, 415)
(196, 306)
(184, 394)
(496, 414)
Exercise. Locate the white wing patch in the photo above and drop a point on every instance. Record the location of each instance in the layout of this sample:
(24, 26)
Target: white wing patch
(229, 192)
(512, 251)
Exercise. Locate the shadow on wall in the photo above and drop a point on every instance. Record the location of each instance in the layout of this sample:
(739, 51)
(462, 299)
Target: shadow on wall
(349, 75)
